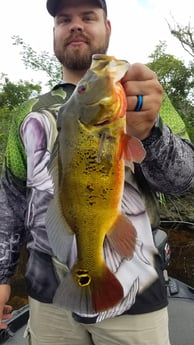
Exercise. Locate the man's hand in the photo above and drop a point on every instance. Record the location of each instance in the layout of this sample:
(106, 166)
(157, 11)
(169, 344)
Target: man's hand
(5, 310)
(140, 80)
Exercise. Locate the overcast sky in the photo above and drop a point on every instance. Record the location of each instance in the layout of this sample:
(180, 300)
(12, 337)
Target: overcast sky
(137, 27)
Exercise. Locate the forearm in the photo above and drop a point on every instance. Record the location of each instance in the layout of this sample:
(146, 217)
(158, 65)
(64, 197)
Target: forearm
(169, 163)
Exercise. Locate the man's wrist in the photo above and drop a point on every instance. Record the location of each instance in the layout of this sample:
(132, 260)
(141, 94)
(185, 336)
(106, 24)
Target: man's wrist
(155, 133)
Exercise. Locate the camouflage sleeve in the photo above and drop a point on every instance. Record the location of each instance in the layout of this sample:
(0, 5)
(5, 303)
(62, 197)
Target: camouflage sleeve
(24, 174)
(169, 163)
(12, 209)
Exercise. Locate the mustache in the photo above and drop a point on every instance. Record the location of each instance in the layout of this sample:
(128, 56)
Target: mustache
(76, 37)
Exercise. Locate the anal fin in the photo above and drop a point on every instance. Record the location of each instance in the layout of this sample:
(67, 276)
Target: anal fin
(123, 236)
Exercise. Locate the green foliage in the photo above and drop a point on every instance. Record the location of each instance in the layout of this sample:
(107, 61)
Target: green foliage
(11, 96)
(178, 81)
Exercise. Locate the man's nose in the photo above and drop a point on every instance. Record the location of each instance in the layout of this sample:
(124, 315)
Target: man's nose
(76, 25)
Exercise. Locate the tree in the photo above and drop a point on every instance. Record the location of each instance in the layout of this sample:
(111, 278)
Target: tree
(178, 81)
(185, 35)
(12, 95)
(40, 62)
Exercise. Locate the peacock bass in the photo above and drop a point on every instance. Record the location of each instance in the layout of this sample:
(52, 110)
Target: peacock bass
(88, 177)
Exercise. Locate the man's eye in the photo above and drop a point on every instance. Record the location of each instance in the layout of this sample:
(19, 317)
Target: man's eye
(66, 20)
(88, 18)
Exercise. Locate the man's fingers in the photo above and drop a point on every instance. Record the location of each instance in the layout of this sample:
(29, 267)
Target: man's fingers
(146, 87)
(6, 315)
(132, 103)
(138, 71)
(7, 311)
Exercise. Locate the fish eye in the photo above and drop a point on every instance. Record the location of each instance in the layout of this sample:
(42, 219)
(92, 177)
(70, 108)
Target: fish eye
(82, 88)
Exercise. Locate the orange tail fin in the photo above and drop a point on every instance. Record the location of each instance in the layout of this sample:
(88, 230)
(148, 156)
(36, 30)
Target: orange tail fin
(106, 291)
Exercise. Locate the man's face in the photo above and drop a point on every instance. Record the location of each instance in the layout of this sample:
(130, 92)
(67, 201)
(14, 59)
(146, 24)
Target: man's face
(81, 30)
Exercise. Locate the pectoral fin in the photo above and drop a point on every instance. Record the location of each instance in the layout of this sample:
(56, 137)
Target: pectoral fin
(133, 150)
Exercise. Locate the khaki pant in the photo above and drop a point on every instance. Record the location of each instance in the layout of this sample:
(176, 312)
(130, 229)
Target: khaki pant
(49, 325)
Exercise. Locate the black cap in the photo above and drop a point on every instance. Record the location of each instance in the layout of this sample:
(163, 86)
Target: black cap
(52, 5)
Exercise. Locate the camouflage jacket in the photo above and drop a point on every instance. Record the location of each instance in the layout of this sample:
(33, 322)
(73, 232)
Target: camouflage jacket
(26, 191)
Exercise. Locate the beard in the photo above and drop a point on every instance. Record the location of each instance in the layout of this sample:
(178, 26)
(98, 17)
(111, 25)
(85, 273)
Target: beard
(79, 60)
